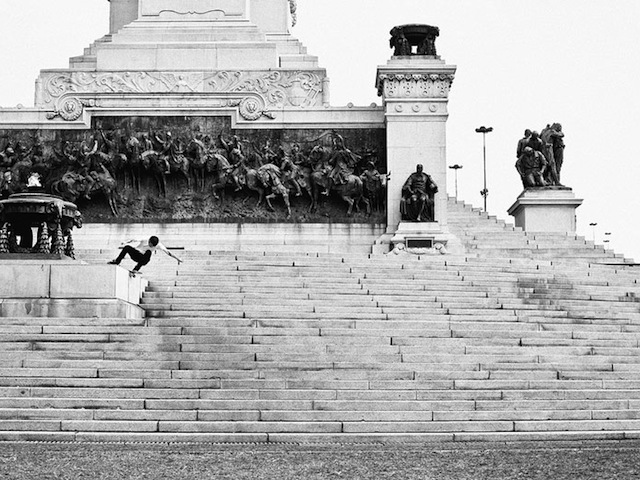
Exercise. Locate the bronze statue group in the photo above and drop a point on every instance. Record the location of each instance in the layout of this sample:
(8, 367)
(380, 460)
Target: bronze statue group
(540, 157)
(104, 163)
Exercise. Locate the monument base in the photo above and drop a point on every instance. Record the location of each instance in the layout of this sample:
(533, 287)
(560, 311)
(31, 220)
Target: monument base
(546, 209)
(421, 238)
(41, 288)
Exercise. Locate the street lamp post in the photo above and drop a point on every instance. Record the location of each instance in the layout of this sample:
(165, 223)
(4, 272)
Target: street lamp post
(484, 130)
(455, 168)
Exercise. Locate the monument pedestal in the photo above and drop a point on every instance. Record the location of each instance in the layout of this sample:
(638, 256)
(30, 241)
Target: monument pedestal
(421, 238)
(415, 93)
(546, 209)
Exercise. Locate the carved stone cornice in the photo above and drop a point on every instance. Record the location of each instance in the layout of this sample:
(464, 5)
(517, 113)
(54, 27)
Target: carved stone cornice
(278, 89)
(248, 106)
(414, 85)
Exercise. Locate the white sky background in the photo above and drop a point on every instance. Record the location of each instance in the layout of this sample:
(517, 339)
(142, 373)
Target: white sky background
(520, 65)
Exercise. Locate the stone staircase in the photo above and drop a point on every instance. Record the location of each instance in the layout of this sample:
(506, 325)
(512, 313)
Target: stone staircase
(487, 237)
(289, 52)
(524, 337)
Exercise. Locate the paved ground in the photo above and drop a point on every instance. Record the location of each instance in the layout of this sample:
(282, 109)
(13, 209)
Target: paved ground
(477, 461)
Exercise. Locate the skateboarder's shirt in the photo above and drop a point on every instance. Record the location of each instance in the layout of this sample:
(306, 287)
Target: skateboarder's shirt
(143, 246)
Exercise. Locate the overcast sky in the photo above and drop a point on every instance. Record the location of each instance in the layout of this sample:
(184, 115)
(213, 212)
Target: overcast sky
(520, 65)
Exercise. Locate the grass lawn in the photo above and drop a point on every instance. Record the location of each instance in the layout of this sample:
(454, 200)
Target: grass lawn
(473, 461)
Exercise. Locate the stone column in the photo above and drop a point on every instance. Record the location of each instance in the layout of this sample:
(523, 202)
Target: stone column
(122, 12)
(415, 93)
(271, 16)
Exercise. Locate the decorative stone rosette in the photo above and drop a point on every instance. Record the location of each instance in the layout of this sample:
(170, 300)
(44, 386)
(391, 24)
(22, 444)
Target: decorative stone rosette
(69, 108)
(250, 109)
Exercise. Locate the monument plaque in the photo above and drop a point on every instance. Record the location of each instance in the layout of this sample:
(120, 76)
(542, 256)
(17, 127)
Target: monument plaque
(205, 9)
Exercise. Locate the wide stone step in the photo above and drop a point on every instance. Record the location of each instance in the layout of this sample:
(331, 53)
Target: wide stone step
(263, 314)
(71, 382)
(44, 322)
(315, 428)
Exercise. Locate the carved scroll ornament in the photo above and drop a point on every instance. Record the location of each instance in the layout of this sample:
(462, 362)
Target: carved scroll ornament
(201, 8)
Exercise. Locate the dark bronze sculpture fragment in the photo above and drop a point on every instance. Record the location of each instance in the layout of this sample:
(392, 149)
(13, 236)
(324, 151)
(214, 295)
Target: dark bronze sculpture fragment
(414, 39)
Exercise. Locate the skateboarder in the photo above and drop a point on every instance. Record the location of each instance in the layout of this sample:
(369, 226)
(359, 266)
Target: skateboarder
(140, 251)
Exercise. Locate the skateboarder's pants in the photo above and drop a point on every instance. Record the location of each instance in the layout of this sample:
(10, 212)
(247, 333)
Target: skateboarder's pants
(136, 255)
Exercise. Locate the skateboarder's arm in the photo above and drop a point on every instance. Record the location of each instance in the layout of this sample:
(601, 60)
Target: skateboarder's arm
(161, 247)
(131, 242)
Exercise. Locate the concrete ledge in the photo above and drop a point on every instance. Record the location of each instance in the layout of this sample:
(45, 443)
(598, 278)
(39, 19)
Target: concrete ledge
(238, 438)
(50, 288)
(50, 279)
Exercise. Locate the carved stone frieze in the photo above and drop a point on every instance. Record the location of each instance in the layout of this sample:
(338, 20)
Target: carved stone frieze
(278, 88)
(415, 85)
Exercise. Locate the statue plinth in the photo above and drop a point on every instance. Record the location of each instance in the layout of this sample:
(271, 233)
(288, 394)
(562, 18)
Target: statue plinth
(425, 238)
(546, 209)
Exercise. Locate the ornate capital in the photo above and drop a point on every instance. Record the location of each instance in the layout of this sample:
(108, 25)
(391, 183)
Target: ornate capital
(414, 85)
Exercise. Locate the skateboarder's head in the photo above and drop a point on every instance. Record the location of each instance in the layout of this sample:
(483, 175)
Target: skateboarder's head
(153, 241)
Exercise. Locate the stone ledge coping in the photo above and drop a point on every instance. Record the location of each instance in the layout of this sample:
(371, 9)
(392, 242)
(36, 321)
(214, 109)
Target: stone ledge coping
(302, 438)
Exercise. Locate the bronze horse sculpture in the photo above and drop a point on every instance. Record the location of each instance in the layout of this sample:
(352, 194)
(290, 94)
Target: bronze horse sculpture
(162, 165)
(73, 186)
(267, 181)
(217, 165)
(352, 191)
